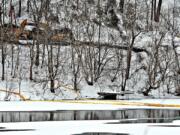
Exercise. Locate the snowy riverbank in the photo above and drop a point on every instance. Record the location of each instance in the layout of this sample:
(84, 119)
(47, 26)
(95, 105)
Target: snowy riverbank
(88, 105)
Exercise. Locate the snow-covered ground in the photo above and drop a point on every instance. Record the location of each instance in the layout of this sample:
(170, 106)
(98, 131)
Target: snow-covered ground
(79, 127)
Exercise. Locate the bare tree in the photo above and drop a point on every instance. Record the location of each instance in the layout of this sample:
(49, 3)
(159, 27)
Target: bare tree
(155, 74)
(76, 57)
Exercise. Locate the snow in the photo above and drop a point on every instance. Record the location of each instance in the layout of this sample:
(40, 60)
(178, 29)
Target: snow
(44, 106)
(85, 105)
(29, 27)
(25, 42)
(167, 3)
(78, 127)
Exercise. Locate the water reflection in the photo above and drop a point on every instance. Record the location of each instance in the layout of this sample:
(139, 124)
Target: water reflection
(125, 116)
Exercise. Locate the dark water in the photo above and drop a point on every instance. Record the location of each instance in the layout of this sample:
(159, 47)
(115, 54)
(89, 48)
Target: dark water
(3, 129)
(124, 116)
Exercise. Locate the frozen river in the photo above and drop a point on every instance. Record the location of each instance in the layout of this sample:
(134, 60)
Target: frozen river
(90, 118)
(124, 116)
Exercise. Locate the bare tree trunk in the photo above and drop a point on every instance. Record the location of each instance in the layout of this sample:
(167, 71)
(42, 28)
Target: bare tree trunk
(119, 57)
(52, 86)
(3, 62)
(75, 68)
(12, 59)
(77, 4)
(31, 63)
(1, 16)
(121, 5)
(16, 68)
(19, 13)
(158, 11)
(47, 4)
(43, 56)
(155, 11)
(3, 11)
(99, 42)
(50, 68)
(28, 6)
(37, 55)
(129, 57)
(152, 9)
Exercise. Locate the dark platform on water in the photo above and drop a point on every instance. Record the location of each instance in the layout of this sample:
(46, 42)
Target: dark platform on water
(113, 95)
